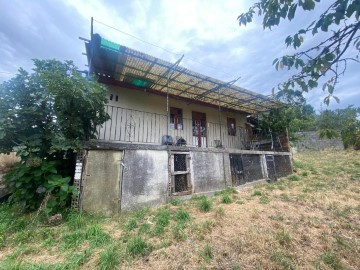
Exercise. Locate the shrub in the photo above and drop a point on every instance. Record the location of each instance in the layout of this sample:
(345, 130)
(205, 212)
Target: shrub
(204, 204)
(136, 246)
(226, 199)
(182, 215)
(29, 185)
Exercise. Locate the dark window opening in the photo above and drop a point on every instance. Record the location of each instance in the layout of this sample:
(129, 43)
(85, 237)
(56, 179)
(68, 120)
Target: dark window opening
(111, 96)
(231, 126)
(181, 184)
(179, 163)
(116, 98)
(176, 118)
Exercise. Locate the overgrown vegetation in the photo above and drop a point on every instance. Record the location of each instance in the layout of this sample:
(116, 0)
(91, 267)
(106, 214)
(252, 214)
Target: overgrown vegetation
(45, 116)
(295, 223)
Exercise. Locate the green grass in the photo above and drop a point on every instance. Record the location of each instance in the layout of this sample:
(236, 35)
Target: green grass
(283, 260)
(109, 258)
(137, 246)
(204, 204)
(175, 201)
(294, 177)
(181, 215)
(331, 260)
(162, 219)
(226, 199)
(206, 253)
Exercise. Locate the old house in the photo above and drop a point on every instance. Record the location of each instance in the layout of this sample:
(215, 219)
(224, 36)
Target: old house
(172, 132)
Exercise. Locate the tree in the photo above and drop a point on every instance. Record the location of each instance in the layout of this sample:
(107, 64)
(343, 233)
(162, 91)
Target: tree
(342, 123)
(339, 23)
(46, 116)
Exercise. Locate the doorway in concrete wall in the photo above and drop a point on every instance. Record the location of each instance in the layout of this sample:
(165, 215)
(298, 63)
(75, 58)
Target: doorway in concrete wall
(101, 187)
(180, 183)
(199, 129)
(237, 170)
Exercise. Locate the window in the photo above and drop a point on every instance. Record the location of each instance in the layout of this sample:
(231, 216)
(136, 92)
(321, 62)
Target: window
(231, 126)
(176, 118)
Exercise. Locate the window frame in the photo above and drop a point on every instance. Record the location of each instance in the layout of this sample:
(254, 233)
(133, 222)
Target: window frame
(176, 114)
(231, 129)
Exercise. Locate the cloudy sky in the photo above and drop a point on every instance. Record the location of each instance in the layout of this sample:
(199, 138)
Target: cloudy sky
(205, 31)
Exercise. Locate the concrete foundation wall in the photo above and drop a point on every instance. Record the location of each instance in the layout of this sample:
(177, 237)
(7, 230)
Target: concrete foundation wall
(207, 171)
(122, 180)
(145, 179)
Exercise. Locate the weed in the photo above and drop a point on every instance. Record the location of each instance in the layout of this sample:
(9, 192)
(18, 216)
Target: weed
(96, 236)
(76, 259)
(207, 225)
(331, 259)
(141, 213)
(76, 221)
(178, 231)
(144, 228)
(182, 215)
(283, 238)
(219, 212)
(298, 164)
(277, 217)
(294, 178)
(264, 199)
(109, 258)
(256, 193)
(131, 224)
(204, 204)
(162, 219)
(206, 253)
(304, 174)
(73, 239)
(175, 201)
(284, 197)
(226, 199)
(283, 260)
(136, 246)
(270, 187)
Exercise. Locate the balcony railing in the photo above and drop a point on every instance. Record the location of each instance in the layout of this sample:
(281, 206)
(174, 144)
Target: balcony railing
(135, 126)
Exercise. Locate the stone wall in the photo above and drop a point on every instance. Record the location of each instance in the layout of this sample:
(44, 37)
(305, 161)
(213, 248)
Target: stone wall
(310, 141)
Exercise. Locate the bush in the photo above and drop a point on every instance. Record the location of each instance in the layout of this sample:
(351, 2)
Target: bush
(29, 183)
(204, 204)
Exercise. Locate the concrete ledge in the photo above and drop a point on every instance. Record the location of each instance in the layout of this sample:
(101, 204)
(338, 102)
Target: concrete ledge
(108, 145)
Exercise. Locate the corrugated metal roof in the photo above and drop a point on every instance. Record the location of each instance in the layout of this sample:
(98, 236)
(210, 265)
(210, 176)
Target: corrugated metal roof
(123, 64)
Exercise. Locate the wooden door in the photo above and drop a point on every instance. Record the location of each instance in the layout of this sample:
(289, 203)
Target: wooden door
(199, 129)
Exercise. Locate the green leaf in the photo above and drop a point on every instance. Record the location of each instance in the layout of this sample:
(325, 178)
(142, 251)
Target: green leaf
(330, 57)
(312, 83)
(291, 13)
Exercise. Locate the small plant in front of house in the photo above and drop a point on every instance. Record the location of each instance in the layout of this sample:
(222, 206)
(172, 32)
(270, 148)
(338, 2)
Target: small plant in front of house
(109, 258)
(131, 224)
(182, 215)
(137, 246)
(219, 212)
(204, 204)
(283, 238)
(175, 201)
(207, 253)
(226, 199)
(256, 193)
(294, 178)
(162, 219)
